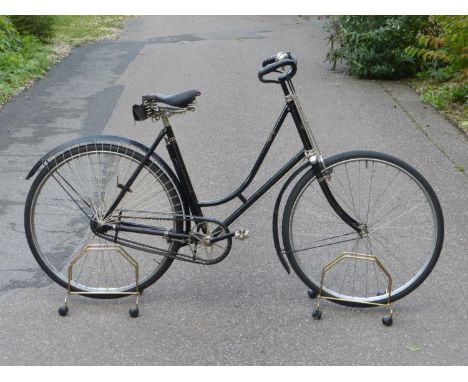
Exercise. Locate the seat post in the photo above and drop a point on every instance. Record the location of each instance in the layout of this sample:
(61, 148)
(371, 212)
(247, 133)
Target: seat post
(165, 120)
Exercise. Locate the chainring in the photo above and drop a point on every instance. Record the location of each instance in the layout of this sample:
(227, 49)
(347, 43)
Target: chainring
(201, 242)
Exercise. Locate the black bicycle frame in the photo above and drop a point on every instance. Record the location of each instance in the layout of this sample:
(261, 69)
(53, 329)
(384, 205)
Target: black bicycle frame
(189, 195)
(247, 203)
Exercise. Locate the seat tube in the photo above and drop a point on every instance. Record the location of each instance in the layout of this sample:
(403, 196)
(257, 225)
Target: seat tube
(179, 166)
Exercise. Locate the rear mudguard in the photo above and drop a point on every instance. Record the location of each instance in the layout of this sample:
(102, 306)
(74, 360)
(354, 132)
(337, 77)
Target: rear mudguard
(112, 139)
(96, 138)
(276, 237)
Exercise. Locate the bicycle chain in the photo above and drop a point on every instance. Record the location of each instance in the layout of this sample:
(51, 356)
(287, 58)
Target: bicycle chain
(171, 254)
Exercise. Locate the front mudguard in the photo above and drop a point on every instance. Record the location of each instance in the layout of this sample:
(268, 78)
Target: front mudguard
(276, 236)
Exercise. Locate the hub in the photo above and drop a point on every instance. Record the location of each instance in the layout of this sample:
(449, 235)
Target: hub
(98, 228)
(364, 231)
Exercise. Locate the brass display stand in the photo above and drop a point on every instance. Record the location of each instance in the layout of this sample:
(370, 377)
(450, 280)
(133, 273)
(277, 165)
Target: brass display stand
(110, 248)
(386, 320)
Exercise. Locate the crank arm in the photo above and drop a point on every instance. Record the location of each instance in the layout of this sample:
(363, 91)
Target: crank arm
(222, 237)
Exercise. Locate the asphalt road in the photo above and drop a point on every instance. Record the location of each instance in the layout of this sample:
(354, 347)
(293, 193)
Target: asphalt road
(245, 310)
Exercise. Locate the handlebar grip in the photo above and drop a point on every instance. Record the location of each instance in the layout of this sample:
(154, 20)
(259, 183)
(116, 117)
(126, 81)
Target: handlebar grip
(268, 61)
(276, 65)
(291, 72)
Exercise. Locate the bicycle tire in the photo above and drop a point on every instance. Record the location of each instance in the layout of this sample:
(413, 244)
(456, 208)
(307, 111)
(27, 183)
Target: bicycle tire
(313, 239)
(82, 182)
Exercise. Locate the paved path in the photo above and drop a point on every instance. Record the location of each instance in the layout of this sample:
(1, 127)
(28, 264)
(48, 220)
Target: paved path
(245, 310)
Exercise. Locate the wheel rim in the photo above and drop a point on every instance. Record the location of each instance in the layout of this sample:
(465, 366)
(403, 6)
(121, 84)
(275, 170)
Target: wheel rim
(402, 234)
(60, 221)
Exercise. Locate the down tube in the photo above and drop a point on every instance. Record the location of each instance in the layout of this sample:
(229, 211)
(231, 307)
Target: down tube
(262, 190)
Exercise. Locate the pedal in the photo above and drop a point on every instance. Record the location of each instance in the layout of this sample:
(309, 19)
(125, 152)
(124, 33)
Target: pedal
(242, 234)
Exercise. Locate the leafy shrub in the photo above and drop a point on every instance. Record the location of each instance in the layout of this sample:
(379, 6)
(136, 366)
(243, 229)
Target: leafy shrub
(438, 74)
(441, 50)
(39, 26)
(374, 46)
(443, 46)
(9, 38)
(19, 67)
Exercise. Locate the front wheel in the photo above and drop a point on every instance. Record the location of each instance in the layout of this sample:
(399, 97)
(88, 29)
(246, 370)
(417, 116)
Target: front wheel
(402, 226)
(75, 190)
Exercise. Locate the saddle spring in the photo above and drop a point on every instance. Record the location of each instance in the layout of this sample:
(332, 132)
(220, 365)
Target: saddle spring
(152, 109)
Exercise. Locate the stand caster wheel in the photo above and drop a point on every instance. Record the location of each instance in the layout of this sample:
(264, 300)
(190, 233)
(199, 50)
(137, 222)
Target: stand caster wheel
(317, 314)
(387, 320)
(312, 293)
(133, 312)
(63, 310)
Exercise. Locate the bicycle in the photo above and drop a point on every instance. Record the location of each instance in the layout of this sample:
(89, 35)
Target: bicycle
(107, 189)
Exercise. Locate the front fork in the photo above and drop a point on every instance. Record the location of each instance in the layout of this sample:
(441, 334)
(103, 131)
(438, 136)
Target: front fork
(323, 176)
(313, 155)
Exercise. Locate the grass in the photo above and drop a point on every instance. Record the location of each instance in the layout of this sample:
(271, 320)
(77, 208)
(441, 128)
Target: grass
(460, 167)
(20, 68)
(79, 30)
(449, 97)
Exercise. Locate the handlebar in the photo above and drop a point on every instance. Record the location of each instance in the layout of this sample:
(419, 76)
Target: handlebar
(274, 63)
(268, 61)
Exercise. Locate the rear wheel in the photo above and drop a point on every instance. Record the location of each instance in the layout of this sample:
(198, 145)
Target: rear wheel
(77, 188)
(403, 223)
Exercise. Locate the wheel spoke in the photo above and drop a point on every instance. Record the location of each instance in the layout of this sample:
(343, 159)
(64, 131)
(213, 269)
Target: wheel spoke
(77, 187)
(399, 216)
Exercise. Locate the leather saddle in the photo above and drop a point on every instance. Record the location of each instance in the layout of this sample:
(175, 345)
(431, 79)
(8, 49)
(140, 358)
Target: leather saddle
(180, 100)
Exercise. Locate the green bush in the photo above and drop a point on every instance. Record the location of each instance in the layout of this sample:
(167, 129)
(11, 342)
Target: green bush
(20, 67)
(439, 74)
(441, 51)
(29, 60)
(9, 38)
(374, 46)
(40, 26)
(442, 48)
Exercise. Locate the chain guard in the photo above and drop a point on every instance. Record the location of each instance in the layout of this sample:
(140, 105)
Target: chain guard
(202, 250)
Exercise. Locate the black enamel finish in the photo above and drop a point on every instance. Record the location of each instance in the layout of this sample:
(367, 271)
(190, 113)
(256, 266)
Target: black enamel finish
(238, 193)
(184, 184)
(189, 194)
